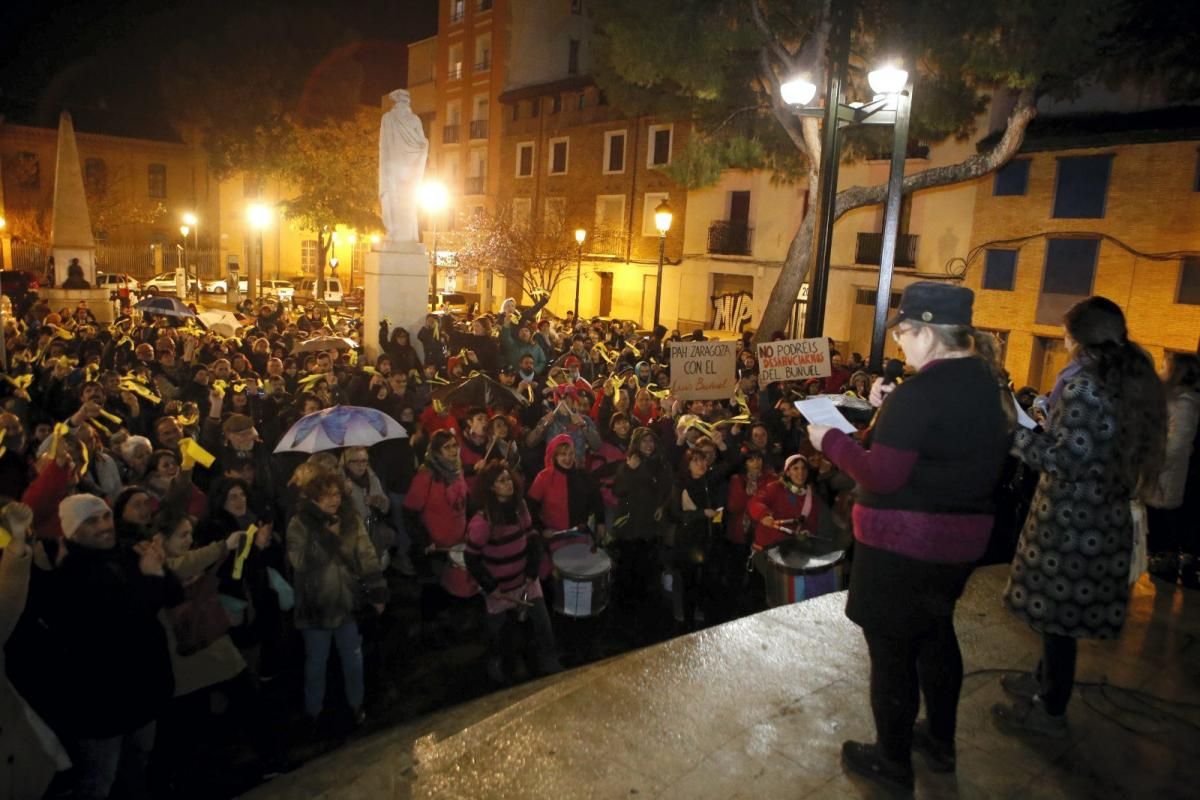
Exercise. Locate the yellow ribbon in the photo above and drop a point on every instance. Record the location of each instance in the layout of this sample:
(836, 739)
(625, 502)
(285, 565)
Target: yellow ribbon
(370, 370)
(187, 422)
(742, 402)
(653, 389)
(100, 427)
(244, 553)
(636, 353)
(56, 437)
(83, 452)
(21, 381)
(5, 538)
(310, 380)
(61, 333)
(130, 385)
(113, 418)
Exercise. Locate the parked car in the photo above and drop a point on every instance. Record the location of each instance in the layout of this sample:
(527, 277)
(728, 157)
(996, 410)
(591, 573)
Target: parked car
(306, 292)
(18, 285)
(455, 303)
(165, 284)
(221, 286)
(284, 290)
(115, 281)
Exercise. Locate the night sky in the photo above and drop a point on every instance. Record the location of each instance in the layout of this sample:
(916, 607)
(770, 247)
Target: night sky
(104, 60)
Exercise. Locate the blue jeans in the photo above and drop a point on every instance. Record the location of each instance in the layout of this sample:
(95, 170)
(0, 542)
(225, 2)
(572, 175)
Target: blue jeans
(316, 660)
(115, 765)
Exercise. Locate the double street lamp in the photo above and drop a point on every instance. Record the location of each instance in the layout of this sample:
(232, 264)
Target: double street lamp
(892, 105)
(662, 221)
(580, 235)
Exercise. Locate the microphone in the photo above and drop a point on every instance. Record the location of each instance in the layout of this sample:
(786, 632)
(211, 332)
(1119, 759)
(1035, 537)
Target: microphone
(893, 370)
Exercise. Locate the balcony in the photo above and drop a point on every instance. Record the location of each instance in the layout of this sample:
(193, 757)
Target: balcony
(457, 10)
(450, 134)
(454, 72)
(871, 244)
(729, 238)
(483, 64)
(475, 184)
(479, 128)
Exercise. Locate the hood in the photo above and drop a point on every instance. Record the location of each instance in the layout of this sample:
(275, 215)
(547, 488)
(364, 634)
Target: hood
(562, 438)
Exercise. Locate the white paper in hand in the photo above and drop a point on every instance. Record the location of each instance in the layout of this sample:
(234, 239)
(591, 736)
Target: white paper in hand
(1024, 419)
(822, 411)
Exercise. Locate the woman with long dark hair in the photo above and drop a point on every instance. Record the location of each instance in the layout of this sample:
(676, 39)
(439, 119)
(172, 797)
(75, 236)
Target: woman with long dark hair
(1103, 446)
(503, 554)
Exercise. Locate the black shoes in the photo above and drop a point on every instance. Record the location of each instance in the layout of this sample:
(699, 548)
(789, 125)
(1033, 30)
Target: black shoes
(939, 756)
(1020, 685)
(866, 760)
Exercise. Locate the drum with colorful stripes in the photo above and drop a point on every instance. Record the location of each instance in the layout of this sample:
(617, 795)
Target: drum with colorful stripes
(797, 575)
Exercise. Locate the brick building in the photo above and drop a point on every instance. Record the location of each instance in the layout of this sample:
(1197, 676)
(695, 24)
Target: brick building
(1098, 204)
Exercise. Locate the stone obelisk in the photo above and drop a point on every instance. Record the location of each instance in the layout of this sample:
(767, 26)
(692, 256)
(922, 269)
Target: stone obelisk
(71, 231)
(396, 274)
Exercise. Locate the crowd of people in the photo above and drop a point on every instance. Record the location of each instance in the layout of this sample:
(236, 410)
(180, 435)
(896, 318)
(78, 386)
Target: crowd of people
(158, 553)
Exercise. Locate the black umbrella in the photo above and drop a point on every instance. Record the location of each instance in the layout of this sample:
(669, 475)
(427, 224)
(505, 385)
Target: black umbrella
(166, 306)
(478, 390)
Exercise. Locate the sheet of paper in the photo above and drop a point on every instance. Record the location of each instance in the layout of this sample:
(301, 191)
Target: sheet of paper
(1024, 419)
(577, 598)
(822, 411)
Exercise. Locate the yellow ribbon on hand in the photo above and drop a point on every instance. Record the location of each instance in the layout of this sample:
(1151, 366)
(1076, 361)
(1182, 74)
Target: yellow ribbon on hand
(56, 437)
(244, 553)
(5, 537)
(190, 449)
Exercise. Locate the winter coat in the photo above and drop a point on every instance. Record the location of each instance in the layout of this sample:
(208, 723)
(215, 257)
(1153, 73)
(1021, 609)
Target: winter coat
(333, 572)
(221, 660)
(564, 498)
(777, 501)
(1070, 575)
(1183, 414)
(739, 526)
(640, 494)
(442, 506)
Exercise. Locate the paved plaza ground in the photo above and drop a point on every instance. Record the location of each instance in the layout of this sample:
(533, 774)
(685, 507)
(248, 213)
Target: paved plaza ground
(759, 707)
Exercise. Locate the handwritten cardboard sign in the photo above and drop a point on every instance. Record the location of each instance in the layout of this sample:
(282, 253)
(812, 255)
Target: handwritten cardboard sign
(703, 370)
(793, 360)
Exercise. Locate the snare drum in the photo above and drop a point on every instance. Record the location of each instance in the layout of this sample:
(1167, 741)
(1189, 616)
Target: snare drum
(582, 580)
(794, 574)
(455, 578)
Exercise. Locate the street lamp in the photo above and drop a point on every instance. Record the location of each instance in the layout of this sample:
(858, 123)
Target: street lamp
(892, 105)
(184, 230)
(258, 216)
(662, 221)
(580, 235)
(433, 197)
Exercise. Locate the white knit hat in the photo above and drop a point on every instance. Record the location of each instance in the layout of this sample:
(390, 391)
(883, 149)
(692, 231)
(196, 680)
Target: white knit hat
(75, 509)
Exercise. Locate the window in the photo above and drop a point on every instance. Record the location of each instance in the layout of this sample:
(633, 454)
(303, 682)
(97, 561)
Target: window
(1068, 277)
(95, 176)
(659, 152)
(483, 52)
(28, 170)
(556, 104)
(999, 269)
(573, 57)
(610, 222)
(555, 212)
(602, 99)
(308, 256)
(454, 66)
(524, 159)
(580, 101)
(457, 9)
(535, 107)
(650, 202)
(485, 5)
(1080, 187)
(522, 210)
(1012, 178)
(614, 152)
(516, 112)
(558, 156)
(1189, 281)
(156, 175)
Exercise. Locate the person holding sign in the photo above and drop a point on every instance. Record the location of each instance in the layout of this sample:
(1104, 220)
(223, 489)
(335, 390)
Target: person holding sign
(923, 519)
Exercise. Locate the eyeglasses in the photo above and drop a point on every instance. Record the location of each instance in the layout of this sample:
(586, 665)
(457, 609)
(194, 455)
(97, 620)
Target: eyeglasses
(897, 332)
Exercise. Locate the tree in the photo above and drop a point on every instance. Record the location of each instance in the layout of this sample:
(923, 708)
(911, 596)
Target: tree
(112, 206)
(332, 168)
(536, 257)
(718, 64)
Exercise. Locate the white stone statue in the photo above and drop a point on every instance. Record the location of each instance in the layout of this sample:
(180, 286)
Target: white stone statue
(403, 150)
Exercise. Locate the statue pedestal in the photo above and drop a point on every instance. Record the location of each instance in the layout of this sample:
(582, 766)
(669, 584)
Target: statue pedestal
(396, 288)
(97, 300)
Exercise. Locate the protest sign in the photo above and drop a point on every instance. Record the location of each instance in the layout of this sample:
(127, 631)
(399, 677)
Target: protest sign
(793, 360)
(702, 370)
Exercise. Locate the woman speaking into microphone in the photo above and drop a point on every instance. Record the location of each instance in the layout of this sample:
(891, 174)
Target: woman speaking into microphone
(922, 520)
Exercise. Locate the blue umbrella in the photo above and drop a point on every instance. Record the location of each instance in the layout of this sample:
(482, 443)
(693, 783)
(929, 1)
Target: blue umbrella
(340, 426)
(166, 306)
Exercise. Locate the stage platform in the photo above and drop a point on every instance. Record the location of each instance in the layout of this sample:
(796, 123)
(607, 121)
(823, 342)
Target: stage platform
(758, 708)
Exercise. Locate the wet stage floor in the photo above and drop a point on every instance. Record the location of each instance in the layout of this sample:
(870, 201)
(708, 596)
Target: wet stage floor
(759, 708)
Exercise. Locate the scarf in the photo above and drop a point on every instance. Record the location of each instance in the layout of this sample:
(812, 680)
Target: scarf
(443, 470)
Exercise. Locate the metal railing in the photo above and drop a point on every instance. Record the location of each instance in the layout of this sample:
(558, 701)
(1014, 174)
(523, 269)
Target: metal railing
(484, 65)
(450, 134)
(454, 72)
(457, 12)
(730, 238)
(29, 257)
(870, 246)
(479, 128)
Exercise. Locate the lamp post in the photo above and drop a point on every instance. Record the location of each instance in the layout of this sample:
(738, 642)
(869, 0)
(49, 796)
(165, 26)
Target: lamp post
(184, 230)
(259, 217)
(192, 223)
(891, 105)
(580, 235)
(432, 196)
(662, 221)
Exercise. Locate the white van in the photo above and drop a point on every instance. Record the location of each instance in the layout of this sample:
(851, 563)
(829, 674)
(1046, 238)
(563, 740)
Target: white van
(306, 291)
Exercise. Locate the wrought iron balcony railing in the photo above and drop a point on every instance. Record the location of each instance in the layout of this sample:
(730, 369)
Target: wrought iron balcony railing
(730, 238)
(870, 246)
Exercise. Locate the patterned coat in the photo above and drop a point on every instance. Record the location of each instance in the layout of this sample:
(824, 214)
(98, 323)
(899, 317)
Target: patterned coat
(1070, 574)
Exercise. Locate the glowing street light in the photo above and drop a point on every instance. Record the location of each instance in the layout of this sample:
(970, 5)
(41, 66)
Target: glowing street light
(258, 216)
(662, 221)
(580, 235)
(433, 197)
(798, 91)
